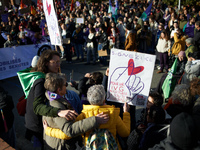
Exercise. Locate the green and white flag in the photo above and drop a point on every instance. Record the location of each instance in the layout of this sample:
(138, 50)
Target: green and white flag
(170, 82)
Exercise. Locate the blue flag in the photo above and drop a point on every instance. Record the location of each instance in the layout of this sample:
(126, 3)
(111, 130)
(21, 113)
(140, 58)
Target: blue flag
(147, 12)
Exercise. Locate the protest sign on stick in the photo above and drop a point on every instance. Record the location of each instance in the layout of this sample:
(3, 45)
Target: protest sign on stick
(80, 20)
(52, 22)
(130, 75)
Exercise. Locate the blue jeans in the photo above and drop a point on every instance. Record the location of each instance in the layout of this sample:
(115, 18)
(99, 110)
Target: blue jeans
(103, 59)
(89, 51)
(79, 50)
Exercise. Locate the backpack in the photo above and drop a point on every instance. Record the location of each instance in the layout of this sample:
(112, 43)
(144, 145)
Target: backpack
(101, 139)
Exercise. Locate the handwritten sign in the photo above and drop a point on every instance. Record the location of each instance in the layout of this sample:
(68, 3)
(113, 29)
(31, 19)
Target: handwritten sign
(52, 22)
(80, 20)
(130, 75)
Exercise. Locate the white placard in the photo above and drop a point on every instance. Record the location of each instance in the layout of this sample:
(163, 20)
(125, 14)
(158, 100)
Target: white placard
(130, 75)
(80, 20)
(52, 22)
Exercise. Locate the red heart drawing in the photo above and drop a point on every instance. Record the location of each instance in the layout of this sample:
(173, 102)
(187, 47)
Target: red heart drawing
(48, 8)
(132, 69)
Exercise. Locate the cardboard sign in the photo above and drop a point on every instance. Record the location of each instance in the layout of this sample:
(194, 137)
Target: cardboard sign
(66, 41)
(130, 75)
(80, 20)
(102, 53)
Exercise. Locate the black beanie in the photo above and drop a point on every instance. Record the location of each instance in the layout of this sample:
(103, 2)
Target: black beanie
(183, 131)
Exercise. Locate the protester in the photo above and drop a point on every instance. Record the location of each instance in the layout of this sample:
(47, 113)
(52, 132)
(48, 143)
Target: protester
(147, 137)
(7, 130)
(55, 84)
(96, 97)
(102, 44)
(197, 35)
(49, 61)
(147, 21)
(190, 47)
(91, 46)
(192, 67)
(163, 46)
(84, 85)
(181, 61)
(10, 42)
(78, 40)
(130, 42)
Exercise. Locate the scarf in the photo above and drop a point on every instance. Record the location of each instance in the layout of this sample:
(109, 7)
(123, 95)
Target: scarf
(27, 79)
(53, 96)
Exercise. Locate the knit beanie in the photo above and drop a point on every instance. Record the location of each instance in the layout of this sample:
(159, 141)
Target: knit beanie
(34, 61)
(183, 131)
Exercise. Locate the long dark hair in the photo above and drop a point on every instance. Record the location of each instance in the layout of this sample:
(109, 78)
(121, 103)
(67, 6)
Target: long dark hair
(45, 57)
(166, 35)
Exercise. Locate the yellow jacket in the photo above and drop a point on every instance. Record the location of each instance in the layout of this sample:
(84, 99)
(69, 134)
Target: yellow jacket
(179, 44)
(115, 124)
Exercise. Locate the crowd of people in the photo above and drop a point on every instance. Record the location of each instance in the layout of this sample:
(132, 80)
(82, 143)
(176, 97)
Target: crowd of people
(61, 119)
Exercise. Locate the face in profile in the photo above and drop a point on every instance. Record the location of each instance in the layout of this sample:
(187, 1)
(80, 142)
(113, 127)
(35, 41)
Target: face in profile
(54, 64)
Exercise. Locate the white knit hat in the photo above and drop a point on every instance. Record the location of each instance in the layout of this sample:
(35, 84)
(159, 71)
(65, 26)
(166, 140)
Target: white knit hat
(34, 61)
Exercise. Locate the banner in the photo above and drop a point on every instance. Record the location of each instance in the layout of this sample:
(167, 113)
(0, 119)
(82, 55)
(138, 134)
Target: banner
(52, 22)
(17, 58)
(130, 75)
(31, 35)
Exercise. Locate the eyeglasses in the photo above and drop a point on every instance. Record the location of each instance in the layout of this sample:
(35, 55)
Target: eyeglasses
(55, 62)
(66, 84)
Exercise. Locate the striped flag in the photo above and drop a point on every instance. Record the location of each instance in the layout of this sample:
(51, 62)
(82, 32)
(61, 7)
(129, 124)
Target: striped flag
(147, 12)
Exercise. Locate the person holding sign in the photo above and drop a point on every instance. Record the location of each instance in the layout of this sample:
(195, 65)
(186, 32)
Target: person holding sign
(103, 44)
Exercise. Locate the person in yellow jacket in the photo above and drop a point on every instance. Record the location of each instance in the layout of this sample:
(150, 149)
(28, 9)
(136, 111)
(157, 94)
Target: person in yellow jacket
(179, 45)
(96, 97)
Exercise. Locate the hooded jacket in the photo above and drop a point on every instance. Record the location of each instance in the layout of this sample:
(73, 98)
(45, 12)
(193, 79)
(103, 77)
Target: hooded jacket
(179, 45)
